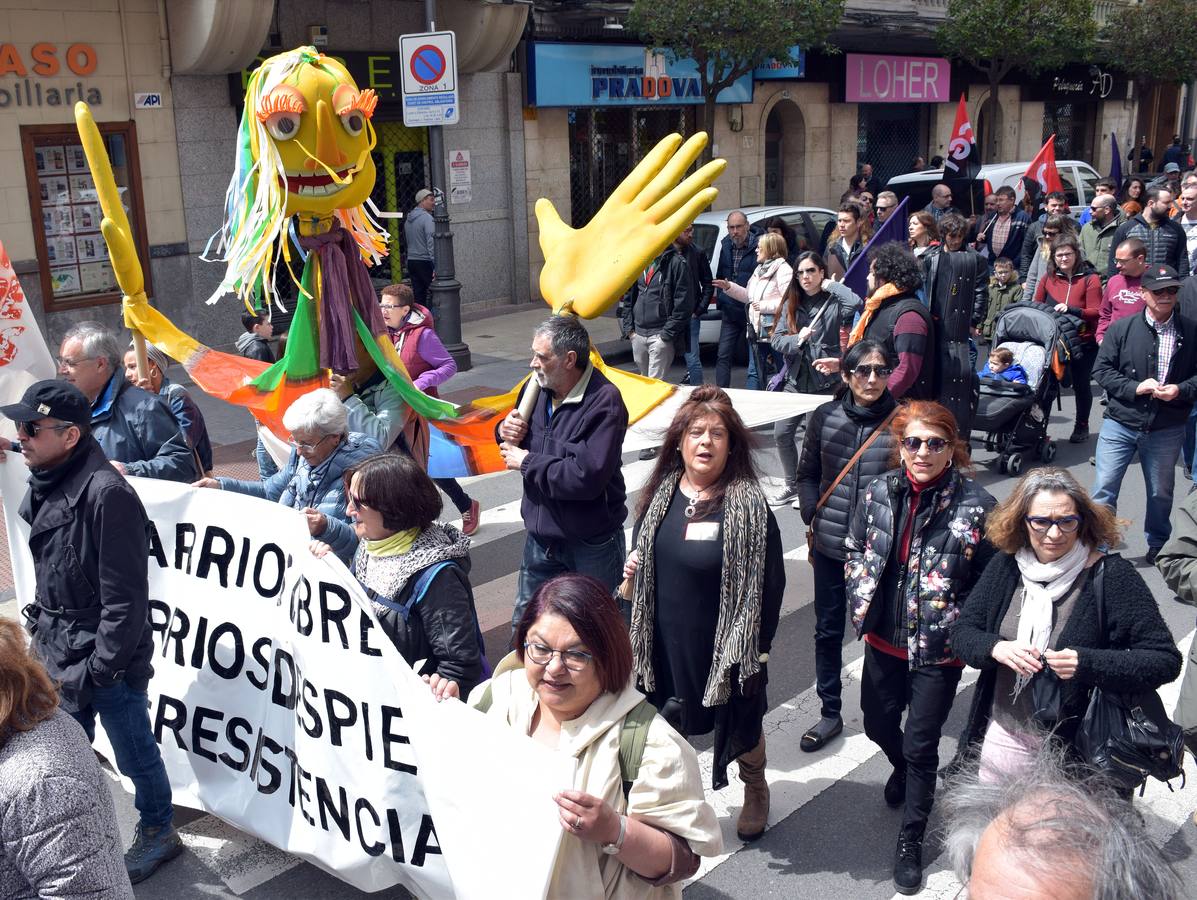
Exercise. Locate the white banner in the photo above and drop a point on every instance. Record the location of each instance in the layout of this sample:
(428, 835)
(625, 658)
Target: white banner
(24, 357)
(282, 708)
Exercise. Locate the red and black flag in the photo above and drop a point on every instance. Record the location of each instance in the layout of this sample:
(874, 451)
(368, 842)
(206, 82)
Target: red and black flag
(963, 161)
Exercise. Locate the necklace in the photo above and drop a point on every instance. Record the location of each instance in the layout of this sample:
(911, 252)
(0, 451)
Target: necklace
(691, 502)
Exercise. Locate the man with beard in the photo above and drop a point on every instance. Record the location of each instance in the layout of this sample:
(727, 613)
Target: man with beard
(569, 454)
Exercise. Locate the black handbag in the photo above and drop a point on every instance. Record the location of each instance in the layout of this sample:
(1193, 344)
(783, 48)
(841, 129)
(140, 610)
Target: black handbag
(1127, 736)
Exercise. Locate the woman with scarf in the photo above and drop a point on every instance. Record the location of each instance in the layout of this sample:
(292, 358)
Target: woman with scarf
(707, 581)
(914, 551)
(415, 570)
(848, 444)
(816, 311)
(764, 293)
(1034, 610)
(429, 364)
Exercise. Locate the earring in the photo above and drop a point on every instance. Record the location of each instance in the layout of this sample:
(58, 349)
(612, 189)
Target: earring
(949, 465)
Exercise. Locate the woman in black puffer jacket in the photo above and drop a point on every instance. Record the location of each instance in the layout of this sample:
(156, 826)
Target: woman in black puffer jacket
(835, 432)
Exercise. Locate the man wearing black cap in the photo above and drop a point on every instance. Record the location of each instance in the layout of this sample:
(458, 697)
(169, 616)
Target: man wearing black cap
(88, 534)
(1148, 366)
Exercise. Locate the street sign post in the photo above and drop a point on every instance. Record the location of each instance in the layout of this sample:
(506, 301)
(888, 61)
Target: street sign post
(430, 95)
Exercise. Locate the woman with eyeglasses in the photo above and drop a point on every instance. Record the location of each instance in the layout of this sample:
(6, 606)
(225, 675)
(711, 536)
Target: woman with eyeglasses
(322, 448)
(915, 548)
(634, 826)
(1054, 226)
(415, 570)
(1033, 615)
(1073, 286)
(707, 581)
(848, 444)
(814, 316)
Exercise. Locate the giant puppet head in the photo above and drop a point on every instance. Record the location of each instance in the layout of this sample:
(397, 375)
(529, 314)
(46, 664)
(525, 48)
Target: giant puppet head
(304, 151)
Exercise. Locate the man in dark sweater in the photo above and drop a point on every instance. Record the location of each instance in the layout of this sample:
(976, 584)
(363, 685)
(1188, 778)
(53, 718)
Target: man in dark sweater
(1148, 366)
(700, 287)
(1165, 239)
(656, 313)
(569, 454)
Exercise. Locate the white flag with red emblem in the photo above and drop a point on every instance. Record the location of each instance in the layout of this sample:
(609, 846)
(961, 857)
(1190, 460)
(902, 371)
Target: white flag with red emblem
(24, 356)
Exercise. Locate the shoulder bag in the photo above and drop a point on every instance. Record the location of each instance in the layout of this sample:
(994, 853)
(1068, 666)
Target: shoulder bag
(868, 442)
(1127, 736)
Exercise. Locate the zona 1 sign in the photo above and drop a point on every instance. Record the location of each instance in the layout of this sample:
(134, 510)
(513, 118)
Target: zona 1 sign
(429, 72)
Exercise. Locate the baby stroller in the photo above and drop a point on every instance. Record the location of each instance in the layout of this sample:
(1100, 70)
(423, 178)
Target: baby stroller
(1012, 416)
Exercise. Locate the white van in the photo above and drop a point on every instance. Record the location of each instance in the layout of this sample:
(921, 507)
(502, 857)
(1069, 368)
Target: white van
(1079, 179)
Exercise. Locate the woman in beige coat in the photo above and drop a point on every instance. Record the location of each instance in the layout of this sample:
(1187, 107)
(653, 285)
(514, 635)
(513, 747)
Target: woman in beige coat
(764, 295)
(635, 821)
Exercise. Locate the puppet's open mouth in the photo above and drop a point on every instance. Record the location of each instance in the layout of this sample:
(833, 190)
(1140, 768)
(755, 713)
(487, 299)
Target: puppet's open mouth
(317, 185)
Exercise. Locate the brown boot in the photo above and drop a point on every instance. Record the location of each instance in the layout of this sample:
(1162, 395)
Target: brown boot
(755, 813)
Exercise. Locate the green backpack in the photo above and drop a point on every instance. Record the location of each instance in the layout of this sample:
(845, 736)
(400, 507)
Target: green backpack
(633, 734)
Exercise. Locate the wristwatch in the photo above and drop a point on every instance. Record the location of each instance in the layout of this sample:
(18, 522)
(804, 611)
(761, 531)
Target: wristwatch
(617, 845)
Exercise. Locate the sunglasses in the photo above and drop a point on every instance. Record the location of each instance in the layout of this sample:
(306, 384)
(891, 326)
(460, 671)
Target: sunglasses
(1167, 290)
(31, 429)
(935, 444)
(1047, 233)
(863, 371)
(358, 502)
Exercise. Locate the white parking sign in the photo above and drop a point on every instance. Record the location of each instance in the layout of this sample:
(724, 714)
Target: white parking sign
(429, 79)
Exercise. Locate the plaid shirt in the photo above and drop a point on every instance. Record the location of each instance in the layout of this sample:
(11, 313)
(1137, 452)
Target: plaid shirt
(737, 255)
(1165, 335)
(1000, 234)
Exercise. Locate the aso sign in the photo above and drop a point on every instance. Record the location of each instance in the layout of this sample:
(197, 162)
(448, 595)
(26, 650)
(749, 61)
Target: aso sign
(282, 708)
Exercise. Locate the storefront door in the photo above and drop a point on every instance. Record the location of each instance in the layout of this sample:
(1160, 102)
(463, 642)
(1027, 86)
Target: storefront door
(890, 136)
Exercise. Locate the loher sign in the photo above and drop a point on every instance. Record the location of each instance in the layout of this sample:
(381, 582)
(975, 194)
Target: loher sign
(896, 79)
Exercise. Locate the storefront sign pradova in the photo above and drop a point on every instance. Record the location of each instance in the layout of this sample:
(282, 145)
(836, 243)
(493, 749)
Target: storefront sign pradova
(281, 707)
(24, 75)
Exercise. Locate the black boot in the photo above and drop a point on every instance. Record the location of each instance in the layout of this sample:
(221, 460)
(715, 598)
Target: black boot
(908, 860)
(895, 788)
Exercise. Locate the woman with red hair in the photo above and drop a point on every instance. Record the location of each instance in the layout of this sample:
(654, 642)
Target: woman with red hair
(914, 551)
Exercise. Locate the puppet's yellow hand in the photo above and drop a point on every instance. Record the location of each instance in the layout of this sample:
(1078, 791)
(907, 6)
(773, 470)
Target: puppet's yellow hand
(115, 225)
(590, 268)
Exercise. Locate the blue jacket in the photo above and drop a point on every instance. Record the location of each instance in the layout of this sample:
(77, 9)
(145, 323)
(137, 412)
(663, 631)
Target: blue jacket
(298, 486)
(1014, 373)
(1019, 223)
(136, 428)
(733, 310)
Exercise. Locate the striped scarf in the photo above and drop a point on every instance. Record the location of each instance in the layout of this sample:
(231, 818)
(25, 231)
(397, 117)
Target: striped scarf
(737, 632)
(872, 304)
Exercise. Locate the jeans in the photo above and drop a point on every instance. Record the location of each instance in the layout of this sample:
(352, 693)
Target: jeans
(454, 492)
(600, 557)
(124, 713)
(831, 608)
(1190, 441)
(693, 358)
(731, 335)
(785, 435)
(653, 355)
(1158, 452)
(1082, 381)
(266, 464)
(420, 271)
(888, 686)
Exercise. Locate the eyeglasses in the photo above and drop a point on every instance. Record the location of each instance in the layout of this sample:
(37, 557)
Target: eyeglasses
(574, 660)
(389, 306)
(1064, 254)
(31, 429)
(864, 371)
(308, 448)
(65, 362)
(357, 501)
(935, 444)
(1042, 524)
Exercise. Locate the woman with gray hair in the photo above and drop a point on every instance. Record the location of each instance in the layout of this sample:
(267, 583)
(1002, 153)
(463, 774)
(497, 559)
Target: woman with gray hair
(182, 407)
(1034, 611)
(322, 448)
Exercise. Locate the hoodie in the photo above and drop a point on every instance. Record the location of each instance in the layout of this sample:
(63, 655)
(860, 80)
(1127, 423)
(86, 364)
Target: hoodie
(254, 347)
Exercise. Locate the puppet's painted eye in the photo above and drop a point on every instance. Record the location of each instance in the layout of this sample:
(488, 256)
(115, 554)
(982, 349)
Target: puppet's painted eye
(283, 125)
(354, 121)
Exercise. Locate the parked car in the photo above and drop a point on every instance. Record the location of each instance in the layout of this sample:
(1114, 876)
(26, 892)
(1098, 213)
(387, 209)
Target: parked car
(1078, 177)
(710, 228)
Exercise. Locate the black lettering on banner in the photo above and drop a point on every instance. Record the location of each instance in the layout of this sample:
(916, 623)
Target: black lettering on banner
(157, 553)
(389, 714)
(159, 618)
(211, 556)
(277, 696)
(304, 775)
(242, 561)
(339, 812)
(180, 625)
(301, 612)
(184, 543)
(336, 723)
(377, 848)
(171, 715)
(227, 671)
(366, 627)
(366, 731)
(424, 840)
(294, 761)
(316, 728)
(260, 762)
(237, 743)
(199, 733)
(336, 616)
(396, 834)
(197, 648)
(261, 655)
(269, 587)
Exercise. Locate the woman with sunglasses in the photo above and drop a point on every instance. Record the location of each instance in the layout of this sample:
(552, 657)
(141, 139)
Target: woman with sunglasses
(1054, 226)
(633, 826)
(832, 478)
(814, 316)
(414, 569)
(1073, 286)
(1034, 612)
(914, 551)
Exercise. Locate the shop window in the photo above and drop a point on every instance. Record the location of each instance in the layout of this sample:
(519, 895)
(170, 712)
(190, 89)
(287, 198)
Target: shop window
(890, 136)
(65, 210)
(1073, 126)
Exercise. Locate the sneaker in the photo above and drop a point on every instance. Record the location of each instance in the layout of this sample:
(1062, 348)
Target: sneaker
(784, 495)
(471, 518)
(1150, 555)
(895, 789)
(797, 504)
(908, 861)
(649, 453)
(151, 848)
(1079, 435)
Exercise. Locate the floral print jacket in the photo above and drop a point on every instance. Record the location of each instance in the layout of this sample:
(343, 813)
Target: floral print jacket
(948, 552)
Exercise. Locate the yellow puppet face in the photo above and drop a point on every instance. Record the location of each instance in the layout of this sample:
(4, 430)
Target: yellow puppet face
(320, 124)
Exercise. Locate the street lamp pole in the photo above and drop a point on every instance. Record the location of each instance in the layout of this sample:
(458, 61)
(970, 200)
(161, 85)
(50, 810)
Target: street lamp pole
(445, 293)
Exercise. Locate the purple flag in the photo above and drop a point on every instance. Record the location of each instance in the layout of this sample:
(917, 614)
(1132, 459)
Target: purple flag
(892, 229)
(1115, 162)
